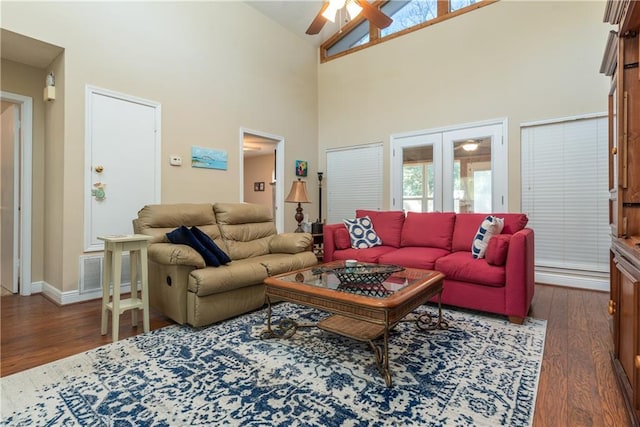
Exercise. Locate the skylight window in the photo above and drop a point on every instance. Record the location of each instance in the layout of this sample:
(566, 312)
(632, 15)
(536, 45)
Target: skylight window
(407, 15)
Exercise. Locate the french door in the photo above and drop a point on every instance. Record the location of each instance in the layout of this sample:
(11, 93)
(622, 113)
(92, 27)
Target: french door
(455, 170)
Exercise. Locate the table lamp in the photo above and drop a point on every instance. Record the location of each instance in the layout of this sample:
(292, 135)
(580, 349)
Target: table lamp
(298, 194)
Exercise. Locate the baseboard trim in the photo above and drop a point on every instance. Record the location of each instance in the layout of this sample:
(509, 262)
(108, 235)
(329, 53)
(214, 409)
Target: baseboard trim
(71, 297)
(593, 283)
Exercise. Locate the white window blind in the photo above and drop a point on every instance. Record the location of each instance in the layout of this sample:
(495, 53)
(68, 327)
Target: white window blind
(354, 181)
(565, 193)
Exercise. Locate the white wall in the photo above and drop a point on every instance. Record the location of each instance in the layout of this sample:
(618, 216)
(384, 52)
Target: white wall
(524, 60)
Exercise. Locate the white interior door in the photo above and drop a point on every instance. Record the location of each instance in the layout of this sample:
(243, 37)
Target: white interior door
(21, 182)
(122, 162)
(9, 196)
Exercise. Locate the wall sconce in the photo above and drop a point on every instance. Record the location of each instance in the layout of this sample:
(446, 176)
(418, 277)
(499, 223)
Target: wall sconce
(50, 88)
(298, 194)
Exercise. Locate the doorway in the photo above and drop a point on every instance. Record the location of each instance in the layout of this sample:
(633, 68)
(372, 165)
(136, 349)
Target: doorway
(462, 169)
(262, 171)
(15, 214)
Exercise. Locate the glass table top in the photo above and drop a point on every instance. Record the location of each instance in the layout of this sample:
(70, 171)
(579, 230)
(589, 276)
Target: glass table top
(364, 279)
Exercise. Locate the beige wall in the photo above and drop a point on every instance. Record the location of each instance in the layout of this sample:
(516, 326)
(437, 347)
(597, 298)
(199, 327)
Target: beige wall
(259, 169)
(215, 67)
(523, 60)
(29, 81)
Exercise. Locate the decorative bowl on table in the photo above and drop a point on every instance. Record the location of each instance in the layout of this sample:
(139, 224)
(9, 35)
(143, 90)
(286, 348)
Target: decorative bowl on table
(365, 274)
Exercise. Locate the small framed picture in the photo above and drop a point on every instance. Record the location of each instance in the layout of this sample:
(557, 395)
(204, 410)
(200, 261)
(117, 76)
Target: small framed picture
(258, 186)
(301, 168)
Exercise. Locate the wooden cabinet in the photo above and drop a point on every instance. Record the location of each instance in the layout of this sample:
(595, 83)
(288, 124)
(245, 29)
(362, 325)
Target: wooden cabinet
(625, 308)
(621, 63)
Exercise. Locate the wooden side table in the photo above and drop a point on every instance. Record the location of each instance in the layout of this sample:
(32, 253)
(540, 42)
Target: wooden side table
(114, 246)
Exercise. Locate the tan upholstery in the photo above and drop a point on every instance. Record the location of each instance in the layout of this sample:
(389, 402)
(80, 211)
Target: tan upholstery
(187, 291)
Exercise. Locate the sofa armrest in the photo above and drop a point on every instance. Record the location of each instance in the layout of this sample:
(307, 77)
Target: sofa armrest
(290, 243)
(520, 273)
(328, 240)
(170, 253)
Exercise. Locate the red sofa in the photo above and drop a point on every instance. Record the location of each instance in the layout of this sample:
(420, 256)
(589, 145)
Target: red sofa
(502, 282)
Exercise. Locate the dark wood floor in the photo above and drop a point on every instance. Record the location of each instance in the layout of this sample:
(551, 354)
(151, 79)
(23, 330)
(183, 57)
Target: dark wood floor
(577, 385)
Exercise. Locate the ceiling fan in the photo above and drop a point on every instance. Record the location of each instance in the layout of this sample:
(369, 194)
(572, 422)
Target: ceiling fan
(354, 7)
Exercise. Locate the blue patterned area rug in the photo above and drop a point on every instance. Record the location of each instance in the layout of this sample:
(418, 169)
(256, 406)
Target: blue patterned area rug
(482, 371)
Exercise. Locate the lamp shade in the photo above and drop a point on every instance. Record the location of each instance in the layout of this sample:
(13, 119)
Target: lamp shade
(298, 193)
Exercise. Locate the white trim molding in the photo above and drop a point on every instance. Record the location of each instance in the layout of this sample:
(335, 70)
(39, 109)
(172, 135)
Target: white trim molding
(26, 166)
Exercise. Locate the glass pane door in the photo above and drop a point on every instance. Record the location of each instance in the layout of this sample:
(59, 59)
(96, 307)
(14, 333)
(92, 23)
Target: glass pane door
(418, 180)
(463, 170)
(416, 167)
(474, 170)
(472, 175)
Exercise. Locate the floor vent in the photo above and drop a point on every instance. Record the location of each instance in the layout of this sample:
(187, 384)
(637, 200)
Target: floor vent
(91, 272)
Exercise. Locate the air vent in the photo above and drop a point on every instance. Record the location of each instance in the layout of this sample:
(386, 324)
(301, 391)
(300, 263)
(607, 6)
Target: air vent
(91, 273)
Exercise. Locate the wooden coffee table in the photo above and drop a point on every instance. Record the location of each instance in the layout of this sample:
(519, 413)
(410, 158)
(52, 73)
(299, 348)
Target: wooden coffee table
(357, 313)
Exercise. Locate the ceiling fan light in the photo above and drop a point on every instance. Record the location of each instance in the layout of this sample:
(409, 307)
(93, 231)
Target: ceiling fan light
(353, 9)
(470, 146)
(330, 13)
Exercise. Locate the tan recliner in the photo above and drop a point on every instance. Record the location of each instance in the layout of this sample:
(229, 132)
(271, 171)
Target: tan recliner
(187, 291)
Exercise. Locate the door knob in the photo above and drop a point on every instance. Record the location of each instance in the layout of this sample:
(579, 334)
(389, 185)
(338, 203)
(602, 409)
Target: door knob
(98, 169)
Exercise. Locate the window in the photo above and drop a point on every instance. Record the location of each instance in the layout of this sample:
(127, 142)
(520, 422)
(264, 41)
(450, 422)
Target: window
(354, 181)
(565, 195)
(418, 187)
(460, 4)
(407, 15)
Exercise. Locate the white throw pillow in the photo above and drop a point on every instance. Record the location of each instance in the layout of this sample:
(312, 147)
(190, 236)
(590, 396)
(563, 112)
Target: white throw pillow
(361, 233)
(490, 227)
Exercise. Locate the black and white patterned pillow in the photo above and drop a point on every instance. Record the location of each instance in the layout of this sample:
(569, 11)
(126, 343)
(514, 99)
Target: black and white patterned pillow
(361, 233)
(490, 227)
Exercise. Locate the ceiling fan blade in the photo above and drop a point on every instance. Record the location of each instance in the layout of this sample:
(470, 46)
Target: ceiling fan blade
(374, 15)
(318, 22)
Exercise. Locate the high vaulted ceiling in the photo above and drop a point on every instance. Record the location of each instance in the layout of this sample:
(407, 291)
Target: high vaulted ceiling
(296, 16)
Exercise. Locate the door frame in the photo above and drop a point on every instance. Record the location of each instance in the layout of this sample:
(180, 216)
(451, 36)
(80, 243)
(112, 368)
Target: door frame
(279, 175)
(22, 204)
(498, 157)
(89, 92)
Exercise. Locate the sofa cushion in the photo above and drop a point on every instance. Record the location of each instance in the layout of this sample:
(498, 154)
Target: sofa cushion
(158, 220)
(490, 226)
(245, 272)
(428, 229)
(210, 245)
(363, 255)
(414, 257)
(341, 238)
(468, 223)
(462, 266)
(388, 225)
(183, 236)
(246, 228)
(362, 233)
(497, 249)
